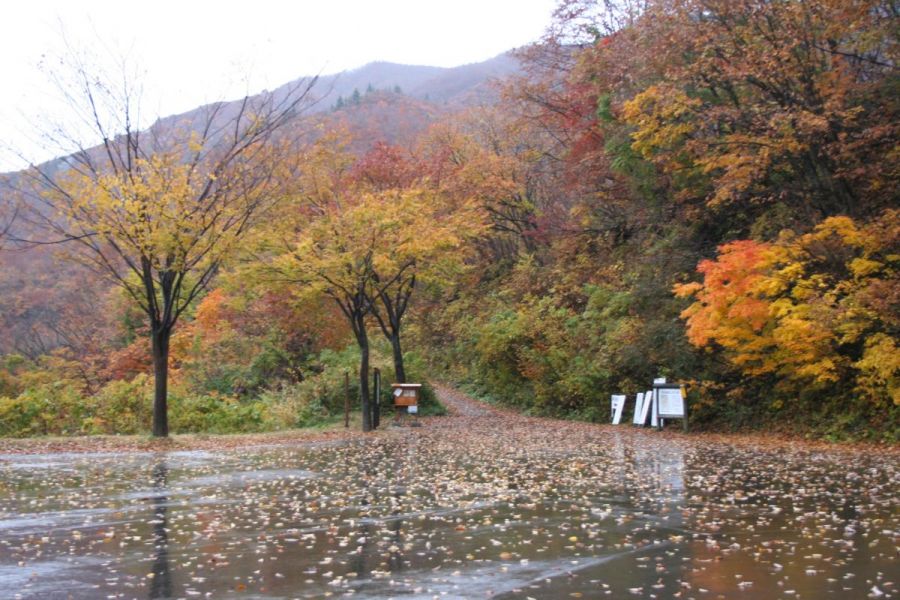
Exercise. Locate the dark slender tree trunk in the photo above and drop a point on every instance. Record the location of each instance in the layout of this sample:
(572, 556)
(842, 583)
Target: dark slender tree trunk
(399, 370)
(160, 338)
(363, 339)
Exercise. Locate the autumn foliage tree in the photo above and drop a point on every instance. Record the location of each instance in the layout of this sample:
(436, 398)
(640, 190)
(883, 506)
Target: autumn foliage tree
(369, 254)
(815, 309)
(157, 211)
(419, 241)
(333, 257)
(758, 103)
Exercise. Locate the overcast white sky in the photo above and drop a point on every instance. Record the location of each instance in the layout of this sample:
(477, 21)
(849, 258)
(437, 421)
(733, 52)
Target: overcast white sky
(198, 51)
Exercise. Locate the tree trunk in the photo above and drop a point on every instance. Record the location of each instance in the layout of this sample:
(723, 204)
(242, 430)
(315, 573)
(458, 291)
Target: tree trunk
(363, 339)
(160, 339)
(399, 371)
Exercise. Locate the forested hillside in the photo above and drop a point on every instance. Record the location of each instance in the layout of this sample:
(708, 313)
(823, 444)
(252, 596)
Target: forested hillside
(704, 190)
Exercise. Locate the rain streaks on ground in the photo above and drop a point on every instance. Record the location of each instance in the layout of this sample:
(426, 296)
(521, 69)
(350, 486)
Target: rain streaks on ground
(480, 504)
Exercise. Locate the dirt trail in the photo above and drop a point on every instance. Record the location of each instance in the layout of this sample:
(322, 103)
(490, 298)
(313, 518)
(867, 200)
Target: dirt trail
(460, 404)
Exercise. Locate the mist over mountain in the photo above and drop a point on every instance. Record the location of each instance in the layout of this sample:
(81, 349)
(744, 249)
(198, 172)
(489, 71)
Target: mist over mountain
(414, 94)
(379, 96)
(460, 85)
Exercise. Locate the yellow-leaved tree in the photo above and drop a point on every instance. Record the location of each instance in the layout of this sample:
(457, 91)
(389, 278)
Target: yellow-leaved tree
(369, 254)
(157, 210)
(421, 241)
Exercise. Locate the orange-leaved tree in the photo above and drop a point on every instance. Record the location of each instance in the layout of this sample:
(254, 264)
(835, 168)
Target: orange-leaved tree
(815, 309)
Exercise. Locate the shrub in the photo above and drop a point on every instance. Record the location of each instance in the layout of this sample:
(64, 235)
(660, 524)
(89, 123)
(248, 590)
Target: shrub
(49, 409)
(120, 407)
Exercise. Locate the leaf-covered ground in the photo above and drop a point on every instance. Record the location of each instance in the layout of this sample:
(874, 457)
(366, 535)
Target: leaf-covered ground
(476, 505)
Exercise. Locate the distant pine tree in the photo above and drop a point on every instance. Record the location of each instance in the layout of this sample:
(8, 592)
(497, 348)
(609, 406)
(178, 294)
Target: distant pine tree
(369, 89)
(354, 98)
(340, 103)
(397, 89)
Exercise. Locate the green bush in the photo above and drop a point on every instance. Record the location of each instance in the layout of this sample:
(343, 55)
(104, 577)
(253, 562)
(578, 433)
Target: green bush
(50, 409)
(123, 407)
(214, 414)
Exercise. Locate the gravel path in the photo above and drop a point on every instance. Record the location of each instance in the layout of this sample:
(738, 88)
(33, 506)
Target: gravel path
(460, 404)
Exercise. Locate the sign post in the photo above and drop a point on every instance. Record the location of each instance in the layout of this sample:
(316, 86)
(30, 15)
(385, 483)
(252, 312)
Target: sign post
(406, 398)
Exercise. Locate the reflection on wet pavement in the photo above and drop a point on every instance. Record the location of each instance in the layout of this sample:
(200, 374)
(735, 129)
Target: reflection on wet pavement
(473, 506)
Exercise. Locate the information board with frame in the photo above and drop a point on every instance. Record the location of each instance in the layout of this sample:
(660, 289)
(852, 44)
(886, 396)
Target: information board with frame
(669, 403)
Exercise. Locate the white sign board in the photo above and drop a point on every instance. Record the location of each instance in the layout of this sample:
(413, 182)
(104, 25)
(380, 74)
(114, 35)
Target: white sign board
(671, 404)
(645, 408)
(654, 418)
(617, 403)
(638, 407)
(412, 409)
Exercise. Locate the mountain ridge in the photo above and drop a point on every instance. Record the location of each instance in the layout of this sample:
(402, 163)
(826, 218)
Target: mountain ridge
(444, 87)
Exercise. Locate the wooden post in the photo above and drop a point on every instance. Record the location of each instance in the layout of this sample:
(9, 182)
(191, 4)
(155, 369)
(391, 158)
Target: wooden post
(376, 403)
(346, 399)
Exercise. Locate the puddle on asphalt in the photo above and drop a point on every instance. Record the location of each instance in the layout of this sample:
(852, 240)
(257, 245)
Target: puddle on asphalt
(454, 514)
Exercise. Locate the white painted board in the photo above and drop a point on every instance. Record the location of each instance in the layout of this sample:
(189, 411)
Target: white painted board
(617, 403)
(671, 403)
(638, 407)
(654, 418)
(412, 409)
(645, 409)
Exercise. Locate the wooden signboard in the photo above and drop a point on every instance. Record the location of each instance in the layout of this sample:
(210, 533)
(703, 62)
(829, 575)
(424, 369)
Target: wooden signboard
(406, 394)
(617, 404)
